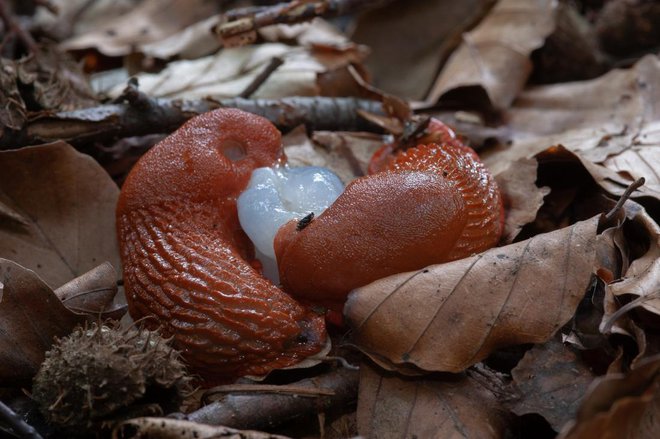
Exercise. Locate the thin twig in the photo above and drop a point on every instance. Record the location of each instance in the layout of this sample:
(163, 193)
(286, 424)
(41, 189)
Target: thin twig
(16, 28)
(607, 326)
(143, 115)
(626, 195)
(20, 427)
(267, 388)
(243, 29)
(274, 64)
(266, 410)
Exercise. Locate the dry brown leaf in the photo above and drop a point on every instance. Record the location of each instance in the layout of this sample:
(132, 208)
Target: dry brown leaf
(66, 203)
(93, 293)
(493, 60)
(450, 316)
(166, 428)
(551, 381)
(150, 21)
(620, 406)
(346, 153)
(640, 279)
(390, 406)
(411, 39)
(522, 198)
(30, 316)
(614, 107)
(642, 157)
(610, 122)
(56, 82)
(300, 151)
(569, 165)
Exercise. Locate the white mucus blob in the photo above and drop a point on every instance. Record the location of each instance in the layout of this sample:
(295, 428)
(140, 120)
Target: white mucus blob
(274, 196)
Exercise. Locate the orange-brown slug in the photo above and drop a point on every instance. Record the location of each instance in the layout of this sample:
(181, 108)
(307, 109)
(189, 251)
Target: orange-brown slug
(429, 204)
(188, 265)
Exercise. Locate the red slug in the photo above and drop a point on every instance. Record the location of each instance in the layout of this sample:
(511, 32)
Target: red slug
(187, 263)
(429, 204)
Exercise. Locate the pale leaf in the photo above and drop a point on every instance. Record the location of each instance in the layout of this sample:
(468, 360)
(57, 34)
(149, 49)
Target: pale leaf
(126, 31)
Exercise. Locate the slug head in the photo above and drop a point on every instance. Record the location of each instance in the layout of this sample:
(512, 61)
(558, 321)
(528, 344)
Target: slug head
(209, 158)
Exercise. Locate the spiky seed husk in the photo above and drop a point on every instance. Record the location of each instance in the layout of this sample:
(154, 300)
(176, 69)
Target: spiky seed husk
(97, 371)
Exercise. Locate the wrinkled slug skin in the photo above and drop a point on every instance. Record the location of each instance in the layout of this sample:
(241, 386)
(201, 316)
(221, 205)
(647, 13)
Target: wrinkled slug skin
(372, 230)
(186, 260)
(429, 204)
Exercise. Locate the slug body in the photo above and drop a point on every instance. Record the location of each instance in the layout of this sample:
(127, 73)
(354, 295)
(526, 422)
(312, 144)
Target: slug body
(188, 266)
(425, 205)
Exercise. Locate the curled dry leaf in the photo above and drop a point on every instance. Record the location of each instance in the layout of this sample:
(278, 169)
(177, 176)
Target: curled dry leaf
(93, 293)
(390, 406)
(551, 381)
(166, 428)
(620, 405)
(642, 279)
(637, 242)
(522, 197)
(31, 315)
(412, 33)
(62, 210)
(610, 122)
(493, 60)
(56, 82)
(450, 316)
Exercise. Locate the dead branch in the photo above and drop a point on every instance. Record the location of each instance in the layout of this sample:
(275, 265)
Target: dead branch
(246, 21)
(141, 116)
(304, 392)
(13, 26)
(625, 197)
(273, 65)
(267, 410)
(20, 427)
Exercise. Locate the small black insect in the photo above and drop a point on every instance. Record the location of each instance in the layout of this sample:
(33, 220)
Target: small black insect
(305, 221)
